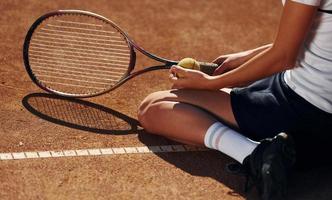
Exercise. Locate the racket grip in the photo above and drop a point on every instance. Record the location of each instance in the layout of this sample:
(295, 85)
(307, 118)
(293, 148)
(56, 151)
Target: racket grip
(208, 68)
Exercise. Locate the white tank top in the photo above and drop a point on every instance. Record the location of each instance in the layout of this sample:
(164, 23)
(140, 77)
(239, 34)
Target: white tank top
(312, 76)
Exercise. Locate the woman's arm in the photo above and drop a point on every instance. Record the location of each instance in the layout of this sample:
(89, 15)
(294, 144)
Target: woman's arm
(231, 61)
(294, 24)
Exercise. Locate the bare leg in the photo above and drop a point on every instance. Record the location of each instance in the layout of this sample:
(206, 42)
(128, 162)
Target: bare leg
(185, 115)
(191, 117)
(178, 121)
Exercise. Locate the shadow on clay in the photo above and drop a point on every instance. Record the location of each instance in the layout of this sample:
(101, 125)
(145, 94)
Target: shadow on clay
(210, 164)
(311, 181)
(88, 116)
(79, 114)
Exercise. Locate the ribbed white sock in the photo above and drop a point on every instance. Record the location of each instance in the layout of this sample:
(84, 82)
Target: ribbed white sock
(229, 142)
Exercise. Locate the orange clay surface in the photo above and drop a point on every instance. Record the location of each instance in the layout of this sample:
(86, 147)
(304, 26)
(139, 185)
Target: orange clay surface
(31, 120)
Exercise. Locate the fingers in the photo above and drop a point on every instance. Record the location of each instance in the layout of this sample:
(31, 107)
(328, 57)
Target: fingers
(221, 69)
(220, 59)
(175, 69)
(178, 71)
(175, 80)
(221, 62)
(174, 76)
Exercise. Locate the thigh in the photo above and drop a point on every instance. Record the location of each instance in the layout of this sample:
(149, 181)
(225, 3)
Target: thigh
(217, 103)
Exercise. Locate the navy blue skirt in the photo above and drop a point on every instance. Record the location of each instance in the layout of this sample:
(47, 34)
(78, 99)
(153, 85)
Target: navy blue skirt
(268, 107)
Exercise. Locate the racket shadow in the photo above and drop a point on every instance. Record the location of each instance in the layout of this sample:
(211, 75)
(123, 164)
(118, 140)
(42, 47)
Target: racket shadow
(80, 114)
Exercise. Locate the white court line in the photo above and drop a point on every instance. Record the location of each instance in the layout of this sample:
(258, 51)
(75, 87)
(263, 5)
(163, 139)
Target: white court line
(99, 152)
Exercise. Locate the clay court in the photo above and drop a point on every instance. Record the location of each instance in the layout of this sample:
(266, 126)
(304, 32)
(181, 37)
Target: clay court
(57, 148)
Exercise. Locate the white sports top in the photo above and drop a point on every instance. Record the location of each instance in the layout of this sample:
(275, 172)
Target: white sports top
(312, 76)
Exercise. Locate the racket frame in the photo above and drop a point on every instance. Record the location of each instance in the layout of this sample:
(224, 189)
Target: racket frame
(131, 44)
(68, 12)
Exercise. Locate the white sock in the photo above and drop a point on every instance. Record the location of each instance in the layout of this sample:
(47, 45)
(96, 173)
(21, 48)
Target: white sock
(229, 142)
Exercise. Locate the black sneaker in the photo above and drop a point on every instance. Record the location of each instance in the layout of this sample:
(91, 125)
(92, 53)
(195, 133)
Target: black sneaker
(269, 165)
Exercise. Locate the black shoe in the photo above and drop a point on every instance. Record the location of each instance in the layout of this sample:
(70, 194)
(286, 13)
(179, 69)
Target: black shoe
(269, 165)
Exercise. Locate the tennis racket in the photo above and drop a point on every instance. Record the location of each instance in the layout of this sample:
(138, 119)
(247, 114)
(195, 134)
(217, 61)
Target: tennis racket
(77, 53)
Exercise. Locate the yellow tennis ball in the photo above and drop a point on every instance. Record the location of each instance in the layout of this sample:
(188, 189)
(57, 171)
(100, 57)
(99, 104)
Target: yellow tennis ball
(188, 63)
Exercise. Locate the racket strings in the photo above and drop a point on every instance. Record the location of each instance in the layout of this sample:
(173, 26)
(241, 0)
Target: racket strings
(78, 54)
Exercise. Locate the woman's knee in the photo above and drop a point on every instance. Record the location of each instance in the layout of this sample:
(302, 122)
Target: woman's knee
(148, 115)
(148, 109)
(150, 99)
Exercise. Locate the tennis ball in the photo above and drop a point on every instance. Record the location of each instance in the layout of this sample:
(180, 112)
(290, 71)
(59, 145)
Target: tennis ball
(188, 63)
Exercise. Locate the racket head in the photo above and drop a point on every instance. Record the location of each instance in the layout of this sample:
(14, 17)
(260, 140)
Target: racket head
(76, 53)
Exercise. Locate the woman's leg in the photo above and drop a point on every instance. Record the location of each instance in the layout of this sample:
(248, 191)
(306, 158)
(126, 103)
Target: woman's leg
(178, 121)
(185, 115)
(192, 117)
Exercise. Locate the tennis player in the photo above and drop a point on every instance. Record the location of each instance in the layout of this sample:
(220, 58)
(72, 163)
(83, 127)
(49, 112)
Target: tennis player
(281, 87)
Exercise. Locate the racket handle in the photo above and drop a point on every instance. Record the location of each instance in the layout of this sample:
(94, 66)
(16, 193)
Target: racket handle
(208, 68)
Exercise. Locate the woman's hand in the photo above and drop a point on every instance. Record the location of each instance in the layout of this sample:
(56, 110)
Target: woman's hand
(189, 79)
(229, 62)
